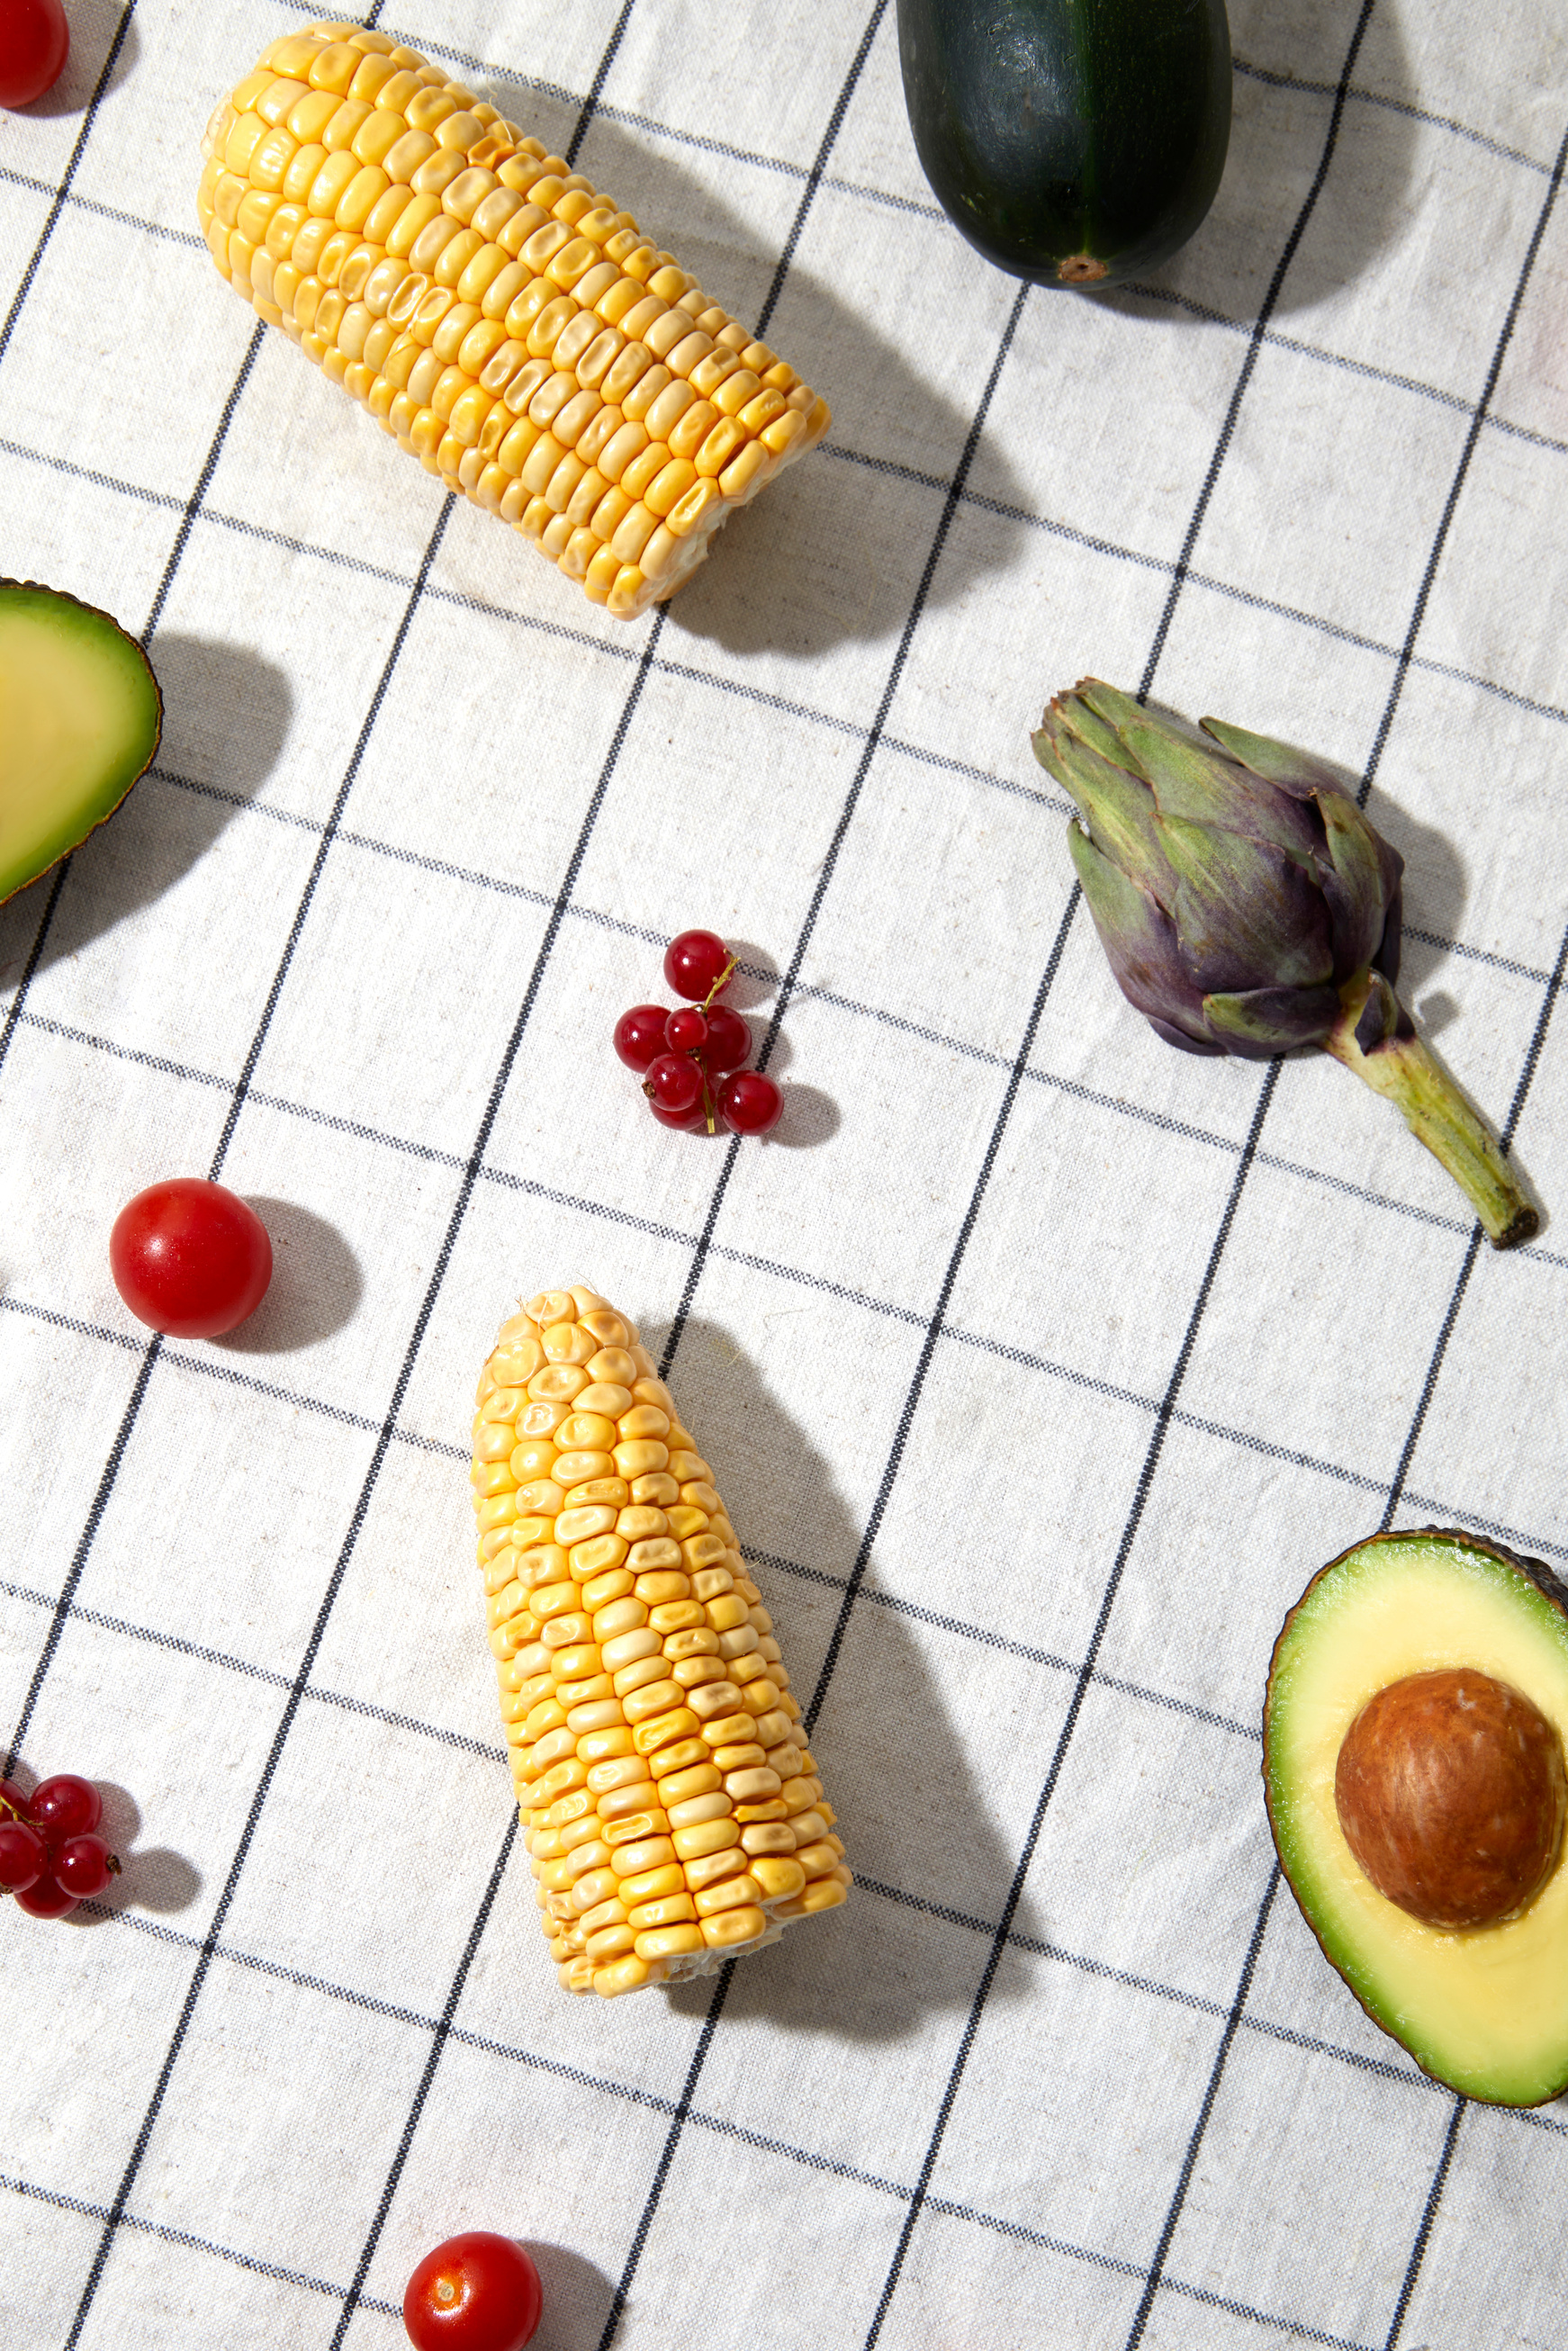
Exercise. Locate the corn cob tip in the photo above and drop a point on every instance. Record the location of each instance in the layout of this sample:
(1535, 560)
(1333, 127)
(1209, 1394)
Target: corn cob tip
(674, 1815)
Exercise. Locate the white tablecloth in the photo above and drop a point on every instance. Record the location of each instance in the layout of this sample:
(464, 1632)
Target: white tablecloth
(1039, 1367)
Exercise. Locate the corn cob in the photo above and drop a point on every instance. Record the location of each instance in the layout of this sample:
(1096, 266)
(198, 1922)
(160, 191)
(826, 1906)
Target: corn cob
(673, 1813)
(493, 312)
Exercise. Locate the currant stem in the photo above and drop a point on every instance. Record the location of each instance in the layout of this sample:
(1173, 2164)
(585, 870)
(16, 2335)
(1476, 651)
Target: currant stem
(1400, 1068)
(714, 990)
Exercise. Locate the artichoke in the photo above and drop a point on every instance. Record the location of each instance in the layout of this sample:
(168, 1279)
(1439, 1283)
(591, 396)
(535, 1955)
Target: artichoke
(1247, 906)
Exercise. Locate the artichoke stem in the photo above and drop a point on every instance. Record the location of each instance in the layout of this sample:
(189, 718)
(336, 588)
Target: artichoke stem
(1400, 1068)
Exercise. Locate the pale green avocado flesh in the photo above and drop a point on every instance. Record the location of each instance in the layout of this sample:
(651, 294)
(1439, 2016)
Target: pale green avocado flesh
(79, 719)
(1485, 2008)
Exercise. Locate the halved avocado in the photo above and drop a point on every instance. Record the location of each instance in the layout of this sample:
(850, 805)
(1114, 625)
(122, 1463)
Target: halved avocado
(80, 715)
(1482, 2008)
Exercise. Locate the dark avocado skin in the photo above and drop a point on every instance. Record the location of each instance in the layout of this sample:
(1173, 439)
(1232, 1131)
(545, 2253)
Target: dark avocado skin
(1071, 141)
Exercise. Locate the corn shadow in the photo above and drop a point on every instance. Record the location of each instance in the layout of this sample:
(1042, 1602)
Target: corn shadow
(916, 1933)
(838, 557)
(225, 717)
(1289, 58)
(316, 1283)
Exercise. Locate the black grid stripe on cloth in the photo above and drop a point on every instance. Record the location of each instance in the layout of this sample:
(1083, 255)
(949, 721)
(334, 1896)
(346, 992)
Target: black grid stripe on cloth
(706, 1245)
(383, 1439)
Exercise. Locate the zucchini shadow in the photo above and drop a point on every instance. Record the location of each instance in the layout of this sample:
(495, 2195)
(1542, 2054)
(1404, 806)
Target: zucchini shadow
(933, 1867)
(1289, 55)
(838, 553)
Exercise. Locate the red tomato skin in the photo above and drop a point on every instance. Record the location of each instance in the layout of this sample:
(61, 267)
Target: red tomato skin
(189, 1257)
(35, 42)
(497, 2301)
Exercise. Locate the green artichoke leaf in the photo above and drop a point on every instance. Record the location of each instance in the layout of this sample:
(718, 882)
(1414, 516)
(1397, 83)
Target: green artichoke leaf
(1246, 914)
(1108, 701)
(1260, 1022)
(1190, 780)
(1118, 810)
(1077, 716)
(1138, 939)
(1357, 885)
(1295, 771)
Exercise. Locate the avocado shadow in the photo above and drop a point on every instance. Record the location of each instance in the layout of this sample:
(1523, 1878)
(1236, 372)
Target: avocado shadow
(838, 558)
(316, 1285)
(92, 24)
(225, 717)
(915, 1823)
(1288, 57)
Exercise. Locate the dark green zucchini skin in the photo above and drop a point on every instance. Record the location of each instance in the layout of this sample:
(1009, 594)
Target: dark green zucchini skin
(1071, 141)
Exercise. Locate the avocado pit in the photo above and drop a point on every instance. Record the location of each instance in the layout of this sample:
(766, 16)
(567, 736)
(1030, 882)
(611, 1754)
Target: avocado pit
(1451, 1792)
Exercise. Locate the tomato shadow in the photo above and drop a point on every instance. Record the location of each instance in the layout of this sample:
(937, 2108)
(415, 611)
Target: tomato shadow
(933, 1870)
(226, 719)
(92, 24)
(316, 1283)
(577, 2299)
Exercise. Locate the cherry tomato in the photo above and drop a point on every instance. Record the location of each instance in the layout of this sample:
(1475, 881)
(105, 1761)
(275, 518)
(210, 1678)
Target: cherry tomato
(35, 41)
(475, 2293)
(188, 1256)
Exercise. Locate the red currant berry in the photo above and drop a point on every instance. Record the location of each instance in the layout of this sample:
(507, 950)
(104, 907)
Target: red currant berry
(22, 1859)
(728, 1040)
(673, 1082)
(65, 1807)
(686, 1122)
(685, 1030)
(13, 1801)
(697, 966)
(750, 1103)
(640, 1035)
(45, 1898)
(82, 1866)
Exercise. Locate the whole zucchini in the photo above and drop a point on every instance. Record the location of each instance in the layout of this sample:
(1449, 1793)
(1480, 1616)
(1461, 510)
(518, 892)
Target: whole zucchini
(1071, 141)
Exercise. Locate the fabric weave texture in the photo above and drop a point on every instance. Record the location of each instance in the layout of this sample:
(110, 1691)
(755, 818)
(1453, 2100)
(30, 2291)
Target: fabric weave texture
(1039, 1367)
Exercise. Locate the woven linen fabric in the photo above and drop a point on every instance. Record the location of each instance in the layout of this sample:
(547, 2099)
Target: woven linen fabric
(1039, 1367)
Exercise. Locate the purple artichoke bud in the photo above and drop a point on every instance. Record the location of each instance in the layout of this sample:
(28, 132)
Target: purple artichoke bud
(1247, 906)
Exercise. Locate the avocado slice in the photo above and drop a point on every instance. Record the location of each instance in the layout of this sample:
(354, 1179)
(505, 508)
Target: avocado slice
(1484, 2008)
(80, 715)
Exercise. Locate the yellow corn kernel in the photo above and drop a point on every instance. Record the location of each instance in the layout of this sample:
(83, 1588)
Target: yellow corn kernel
(671, 414)
(671, 1815)
(732, 1929)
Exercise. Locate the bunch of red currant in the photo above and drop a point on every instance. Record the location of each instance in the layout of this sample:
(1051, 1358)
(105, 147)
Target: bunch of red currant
(689, 1059)
(49, 1858)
